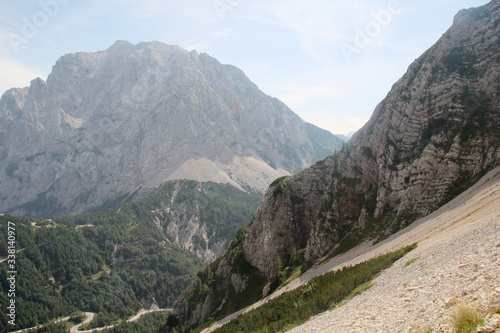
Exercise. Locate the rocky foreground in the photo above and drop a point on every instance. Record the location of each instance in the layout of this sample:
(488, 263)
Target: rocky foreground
(457, 262)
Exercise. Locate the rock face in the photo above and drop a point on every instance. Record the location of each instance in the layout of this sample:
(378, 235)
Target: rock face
(108, 125)
(438, 127)
(434, 135)
(201, 217)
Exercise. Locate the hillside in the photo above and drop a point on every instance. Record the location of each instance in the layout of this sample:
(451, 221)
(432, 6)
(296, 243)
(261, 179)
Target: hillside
(434, 135)
(141, 254)
(110, 126)
(456, 262)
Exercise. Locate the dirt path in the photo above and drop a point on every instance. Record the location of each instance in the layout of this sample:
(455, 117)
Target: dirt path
(474, 210)
(90, 317)
(143, 312)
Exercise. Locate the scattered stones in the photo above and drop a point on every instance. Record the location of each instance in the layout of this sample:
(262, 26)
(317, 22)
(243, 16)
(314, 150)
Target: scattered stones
(459, 269)
(492, 324)
(452, 301)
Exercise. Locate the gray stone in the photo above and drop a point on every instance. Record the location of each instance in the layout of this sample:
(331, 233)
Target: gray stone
(116, 123)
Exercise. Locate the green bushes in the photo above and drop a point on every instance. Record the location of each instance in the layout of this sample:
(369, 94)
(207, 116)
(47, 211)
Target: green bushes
(320, 294)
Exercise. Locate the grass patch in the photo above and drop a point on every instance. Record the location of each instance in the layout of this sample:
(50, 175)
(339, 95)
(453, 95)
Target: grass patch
(359, 290)
(465, 319)
(409, 262)
(320, 294)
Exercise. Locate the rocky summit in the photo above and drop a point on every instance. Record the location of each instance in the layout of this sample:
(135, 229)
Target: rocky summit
(435, 134)
(110, 125)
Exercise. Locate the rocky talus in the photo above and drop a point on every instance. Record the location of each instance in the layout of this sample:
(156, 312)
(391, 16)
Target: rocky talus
(435, 134)
(457, 263)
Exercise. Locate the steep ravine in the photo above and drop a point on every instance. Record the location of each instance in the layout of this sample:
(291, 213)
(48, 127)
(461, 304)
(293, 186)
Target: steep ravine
(435, 134)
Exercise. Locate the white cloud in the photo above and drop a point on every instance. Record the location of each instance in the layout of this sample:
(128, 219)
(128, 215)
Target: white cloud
(297, 95)
(140, 9)
(321, 26)
(336, 122)
(223, 33)
(15, 75)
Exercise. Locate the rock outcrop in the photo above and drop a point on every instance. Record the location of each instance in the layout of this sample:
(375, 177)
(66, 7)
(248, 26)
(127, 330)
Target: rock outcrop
(201, 217)
(433, 136)
(109, 125)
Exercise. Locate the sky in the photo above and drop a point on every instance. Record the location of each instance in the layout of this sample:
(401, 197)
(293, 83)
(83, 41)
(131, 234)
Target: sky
(330, 61)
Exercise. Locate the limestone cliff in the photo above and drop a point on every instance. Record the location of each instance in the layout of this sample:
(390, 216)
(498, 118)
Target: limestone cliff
(434, 135)
(109, 125)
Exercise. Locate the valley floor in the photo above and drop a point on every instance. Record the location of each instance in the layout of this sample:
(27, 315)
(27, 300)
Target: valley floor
(457, 261)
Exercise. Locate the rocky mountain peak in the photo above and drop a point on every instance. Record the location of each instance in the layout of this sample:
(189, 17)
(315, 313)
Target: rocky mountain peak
(118, 122)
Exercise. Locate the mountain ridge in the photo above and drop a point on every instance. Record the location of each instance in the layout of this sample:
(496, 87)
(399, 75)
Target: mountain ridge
(433, 136)
(119, 122)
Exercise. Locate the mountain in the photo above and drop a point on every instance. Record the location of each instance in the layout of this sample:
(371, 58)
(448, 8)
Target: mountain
(109, 126)
(433, 136)
(345, 138)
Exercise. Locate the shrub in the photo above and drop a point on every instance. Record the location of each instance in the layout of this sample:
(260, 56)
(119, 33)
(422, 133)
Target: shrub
(465, 319)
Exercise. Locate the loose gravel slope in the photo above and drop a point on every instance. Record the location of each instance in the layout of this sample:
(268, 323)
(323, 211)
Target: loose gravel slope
(457, 261)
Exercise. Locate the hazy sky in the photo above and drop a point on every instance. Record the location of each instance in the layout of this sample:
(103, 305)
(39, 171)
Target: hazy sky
(330, 61)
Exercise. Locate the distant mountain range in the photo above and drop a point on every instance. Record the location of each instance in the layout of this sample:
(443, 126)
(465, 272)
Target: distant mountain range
(109, 126)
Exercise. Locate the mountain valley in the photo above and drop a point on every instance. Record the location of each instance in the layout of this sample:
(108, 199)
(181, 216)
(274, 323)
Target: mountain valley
(148, 177)
(433, 136)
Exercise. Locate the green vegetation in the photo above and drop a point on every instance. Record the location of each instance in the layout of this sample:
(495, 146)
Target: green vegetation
(409, 262)
(279, 186)
(108, 268)
(206, 284)
(148, 323)
(221, 207)
(433, 127)
(111, 261)
(465, 319)
(320, 294)
(478, 121)
(460, 60)
(359, 290)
